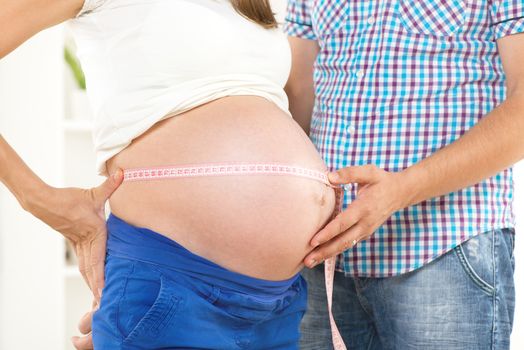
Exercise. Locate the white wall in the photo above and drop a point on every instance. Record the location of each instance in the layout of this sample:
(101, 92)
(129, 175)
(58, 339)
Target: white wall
(30, 252)
(279, 7)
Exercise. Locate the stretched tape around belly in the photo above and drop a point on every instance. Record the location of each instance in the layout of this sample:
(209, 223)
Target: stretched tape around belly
(218, 169)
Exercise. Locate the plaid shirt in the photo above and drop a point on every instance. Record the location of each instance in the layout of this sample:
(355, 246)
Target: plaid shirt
(395, 81)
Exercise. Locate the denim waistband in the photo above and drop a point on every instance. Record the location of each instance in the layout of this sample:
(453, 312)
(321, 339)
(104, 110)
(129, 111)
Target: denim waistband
(142, 244)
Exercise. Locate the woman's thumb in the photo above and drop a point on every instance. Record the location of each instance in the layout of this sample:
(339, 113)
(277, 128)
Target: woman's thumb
(110, 184)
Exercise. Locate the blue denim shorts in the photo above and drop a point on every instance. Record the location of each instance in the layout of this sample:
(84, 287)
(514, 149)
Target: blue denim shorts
(158, 295)
(463, 300)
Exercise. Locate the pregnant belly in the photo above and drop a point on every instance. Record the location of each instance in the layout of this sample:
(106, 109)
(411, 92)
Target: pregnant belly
(258, 225)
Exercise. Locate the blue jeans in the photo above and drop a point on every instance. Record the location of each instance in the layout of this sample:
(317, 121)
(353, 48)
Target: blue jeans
(463, 300)
(159, 295)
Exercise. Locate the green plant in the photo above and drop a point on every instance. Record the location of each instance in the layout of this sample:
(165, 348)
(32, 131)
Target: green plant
(74, 64)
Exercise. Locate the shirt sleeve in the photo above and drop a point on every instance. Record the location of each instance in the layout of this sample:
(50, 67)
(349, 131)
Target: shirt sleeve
(89, 5)
(507, 17)
(298, 19)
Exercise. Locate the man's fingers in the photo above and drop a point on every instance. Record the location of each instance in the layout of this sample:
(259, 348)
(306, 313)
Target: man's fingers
(354, 174)
(98, 253)
(103, 191)
(83, 343)
(335, 246)
(342, 222)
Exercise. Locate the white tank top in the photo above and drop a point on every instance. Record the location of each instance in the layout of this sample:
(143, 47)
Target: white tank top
(146, 60)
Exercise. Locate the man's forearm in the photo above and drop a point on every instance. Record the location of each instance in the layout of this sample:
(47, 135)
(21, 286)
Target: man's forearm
(494, 144)
(26, 186)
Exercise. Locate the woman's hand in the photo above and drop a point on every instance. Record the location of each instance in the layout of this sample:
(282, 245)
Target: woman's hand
(85, 342)
(79, 215)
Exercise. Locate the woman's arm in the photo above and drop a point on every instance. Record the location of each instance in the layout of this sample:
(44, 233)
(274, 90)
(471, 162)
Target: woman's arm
(26, 186)
(77, 213)
(21, 19)
(300, 88)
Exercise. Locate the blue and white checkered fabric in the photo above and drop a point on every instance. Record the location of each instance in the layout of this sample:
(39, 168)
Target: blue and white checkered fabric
(396, 80)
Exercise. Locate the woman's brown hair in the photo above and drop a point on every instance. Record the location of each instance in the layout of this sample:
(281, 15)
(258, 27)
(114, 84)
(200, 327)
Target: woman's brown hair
(258, 11)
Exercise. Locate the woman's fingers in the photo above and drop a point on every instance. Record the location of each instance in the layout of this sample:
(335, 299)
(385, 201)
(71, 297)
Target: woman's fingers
(97, 258)
(84, 325)
(81, 262)
(84, 264)
(89, 269)
(83, 343)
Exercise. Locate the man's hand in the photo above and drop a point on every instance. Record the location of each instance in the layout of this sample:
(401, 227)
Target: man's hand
(379, 195)
(85, 342)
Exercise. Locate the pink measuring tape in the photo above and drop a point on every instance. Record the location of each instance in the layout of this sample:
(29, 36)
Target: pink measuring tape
(329, 277)
(220, 169)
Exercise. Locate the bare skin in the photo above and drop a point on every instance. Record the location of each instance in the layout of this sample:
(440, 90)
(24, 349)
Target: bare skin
(231, 219)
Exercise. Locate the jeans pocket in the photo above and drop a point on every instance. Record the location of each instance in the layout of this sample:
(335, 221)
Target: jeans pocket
(328, 16)
(438, 18)
(476, 257)
(146, 307)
